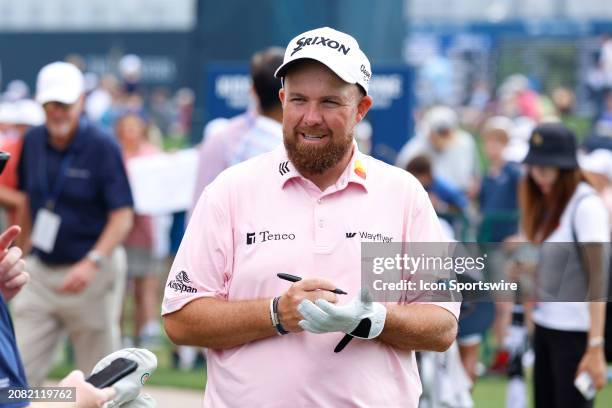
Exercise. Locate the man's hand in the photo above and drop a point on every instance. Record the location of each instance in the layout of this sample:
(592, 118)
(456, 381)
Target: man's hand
(87, 396)
(594, 362)
(79, 277)
(323, 317)
(12, 268)
(311, 289)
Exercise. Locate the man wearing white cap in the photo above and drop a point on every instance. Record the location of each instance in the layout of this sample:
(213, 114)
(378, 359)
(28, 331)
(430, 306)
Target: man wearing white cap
(304, 209)
(452, 150)
(81, 207)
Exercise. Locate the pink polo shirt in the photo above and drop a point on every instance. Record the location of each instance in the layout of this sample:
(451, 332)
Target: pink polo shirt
(261, 217)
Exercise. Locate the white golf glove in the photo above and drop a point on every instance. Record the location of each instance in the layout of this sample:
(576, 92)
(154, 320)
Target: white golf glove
(325, 317)
(128, 388)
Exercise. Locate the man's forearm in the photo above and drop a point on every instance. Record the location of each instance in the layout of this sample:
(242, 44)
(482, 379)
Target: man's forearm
(419, 327)
(118, 226)
(220, 324)
(597, 314)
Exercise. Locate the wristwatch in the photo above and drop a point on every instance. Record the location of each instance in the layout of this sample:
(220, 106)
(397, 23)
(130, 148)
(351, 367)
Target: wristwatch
(596, 341)
(96, 257)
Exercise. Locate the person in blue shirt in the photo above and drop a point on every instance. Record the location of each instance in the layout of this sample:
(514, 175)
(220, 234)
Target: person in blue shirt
(81, 205)
(499, 189)
(445, 197)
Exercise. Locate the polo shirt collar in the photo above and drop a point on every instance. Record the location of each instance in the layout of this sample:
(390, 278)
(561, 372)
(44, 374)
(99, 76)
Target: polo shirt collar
(355, 172)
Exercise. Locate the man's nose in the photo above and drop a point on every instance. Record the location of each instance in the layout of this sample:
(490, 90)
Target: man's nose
(312, 116)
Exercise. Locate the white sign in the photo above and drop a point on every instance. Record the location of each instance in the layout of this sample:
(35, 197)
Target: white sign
(164, 183)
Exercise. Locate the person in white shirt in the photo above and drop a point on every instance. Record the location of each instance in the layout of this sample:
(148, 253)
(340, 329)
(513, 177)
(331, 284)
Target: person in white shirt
(452, 150)
(562, 213)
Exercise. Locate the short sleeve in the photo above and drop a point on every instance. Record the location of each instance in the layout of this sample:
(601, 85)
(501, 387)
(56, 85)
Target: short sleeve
(591, 221)
(425, 227)
(116, 187)
(203, 264)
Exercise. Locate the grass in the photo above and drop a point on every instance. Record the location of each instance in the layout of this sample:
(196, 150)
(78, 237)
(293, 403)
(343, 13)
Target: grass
(490, 392)
(165, 375)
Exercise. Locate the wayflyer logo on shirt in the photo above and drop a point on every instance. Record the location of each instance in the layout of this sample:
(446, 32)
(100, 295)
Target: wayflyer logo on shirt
(370, 236)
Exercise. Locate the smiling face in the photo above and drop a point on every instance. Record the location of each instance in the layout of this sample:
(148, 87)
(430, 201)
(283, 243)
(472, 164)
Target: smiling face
(320, 112)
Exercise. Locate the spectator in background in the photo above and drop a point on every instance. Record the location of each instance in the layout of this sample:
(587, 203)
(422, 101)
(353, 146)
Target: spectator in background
(130, 69)
(363, 135)
(81, 202)
(498, 202)
(564, 103)
(219, 150)
(27, 113)
(597, 169)
(16, 90)
(558, 206)
(499, 190)
(131, 131)
(100, 99)
(446, 199)
(452, 150)
(516, 98)
(266, 133)
(183, 100)
(160, 108)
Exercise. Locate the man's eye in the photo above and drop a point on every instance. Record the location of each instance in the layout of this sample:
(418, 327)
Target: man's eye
(297, 99)
(330, 102)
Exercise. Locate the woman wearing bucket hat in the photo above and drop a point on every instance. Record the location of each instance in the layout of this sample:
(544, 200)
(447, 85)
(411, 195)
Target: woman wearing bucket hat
(558, 206)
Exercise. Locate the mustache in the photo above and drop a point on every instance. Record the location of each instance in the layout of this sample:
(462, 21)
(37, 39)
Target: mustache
(313, 130)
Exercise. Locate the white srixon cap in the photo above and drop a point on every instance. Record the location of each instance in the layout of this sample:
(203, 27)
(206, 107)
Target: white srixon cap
(59, 82)
(338, 51)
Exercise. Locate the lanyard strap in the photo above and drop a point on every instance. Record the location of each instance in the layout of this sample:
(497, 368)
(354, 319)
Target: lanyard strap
(52, 195)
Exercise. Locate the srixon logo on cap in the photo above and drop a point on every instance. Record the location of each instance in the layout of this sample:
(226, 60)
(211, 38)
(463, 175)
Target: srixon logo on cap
(326, 42)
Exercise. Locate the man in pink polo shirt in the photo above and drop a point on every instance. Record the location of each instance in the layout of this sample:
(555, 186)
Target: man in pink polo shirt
(304, 209)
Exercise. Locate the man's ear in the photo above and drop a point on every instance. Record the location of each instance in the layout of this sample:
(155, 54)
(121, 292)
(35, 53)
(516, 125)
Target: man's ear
(364, 106)
(281, 95)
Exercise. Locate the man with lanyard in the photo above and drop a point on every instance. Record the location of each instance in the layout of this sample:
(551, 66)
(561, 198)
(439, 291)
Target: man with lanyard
(81, 205)
(304, 209)
(13, 278)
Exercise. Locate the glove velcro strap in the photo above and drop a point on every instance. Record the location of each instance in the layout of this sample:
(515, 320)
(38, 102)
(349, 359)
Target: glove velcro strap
(362, 330)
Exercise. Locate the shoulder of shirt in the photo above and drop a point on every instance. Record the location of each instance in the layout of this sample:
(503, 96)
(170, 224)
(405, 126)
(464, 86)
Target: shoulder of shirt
(590, 202)
(34, 132)
(464, 137)
(588, 193)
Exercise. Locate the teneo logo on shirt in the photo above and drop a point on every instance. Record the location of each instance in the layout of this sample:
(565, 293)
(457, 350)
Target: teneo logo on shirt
(368, 236)
(264, 236)
(326, 42)
(180, 283)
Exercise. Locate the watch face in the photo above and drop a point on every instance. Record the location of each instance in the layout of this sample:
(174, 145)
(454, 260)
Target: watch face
(95, 257)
